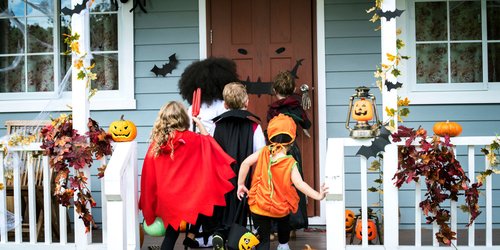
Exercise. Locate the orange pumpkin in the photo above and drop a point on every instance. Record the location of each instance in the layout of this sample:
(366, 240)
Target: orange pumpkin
(447, 128)
(349, 220)
(123, 130)
(372, 230)
(182, 227)
(362, 110)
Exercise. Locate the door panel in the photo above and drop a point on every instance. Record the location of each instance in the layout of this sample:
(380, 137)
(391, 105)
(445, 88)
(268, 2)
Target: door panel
(265, 37)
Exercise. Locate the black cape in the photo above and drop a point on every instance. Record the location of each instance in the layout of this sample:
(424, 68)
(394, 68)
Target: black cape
(234, 131)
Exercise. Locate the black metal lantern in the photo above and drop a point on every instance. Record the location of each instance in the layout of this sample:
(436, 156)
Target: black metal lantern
(362, 109)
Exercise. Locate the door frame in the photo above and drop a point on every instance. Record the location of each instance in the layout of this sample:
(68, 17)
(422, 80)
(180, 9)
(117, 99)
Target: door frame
(319, 54)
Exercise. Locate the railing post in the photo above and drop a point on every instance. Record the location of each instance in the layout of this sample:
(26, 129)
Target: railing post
(389, 100)
(132, 208)
(335, 202)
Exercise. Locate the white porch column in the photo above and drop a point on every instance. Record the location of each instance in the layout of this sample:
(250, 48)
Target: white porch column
(80, 105)
(389, 99)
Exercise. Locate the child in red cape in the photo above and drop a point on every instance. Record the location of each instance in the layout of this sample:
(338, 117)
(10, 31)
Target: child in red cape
(175, 186)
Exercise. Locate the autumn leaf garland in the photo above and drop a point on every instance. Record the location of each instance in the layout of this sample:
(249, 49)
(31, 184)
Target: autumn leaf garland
(67, 149)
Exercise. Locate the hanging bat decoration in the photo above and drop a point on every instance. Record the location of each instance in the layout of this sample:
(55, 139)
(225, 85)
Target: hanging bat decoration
(140, 4)
(378, 144)
(166, 68)
(391, 85)
(76, 10)
(389, 14)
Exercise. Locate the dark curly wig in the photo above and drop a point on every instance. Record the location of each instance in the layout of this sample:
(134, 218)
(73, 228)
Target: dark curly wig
(211, 75)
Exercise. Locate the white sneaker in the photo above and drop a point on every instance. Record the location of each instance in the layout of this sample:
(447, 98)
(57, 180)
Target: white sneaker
(283, 247)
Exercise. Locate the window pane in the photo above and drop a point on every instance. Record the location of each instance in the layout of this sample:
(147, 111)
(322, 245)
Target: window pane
(106, 68)
(102, 5)
(16, 7)
(465, 20)
(40, 73)
(430, 19)
(64, 29)
(493, 20)
(466, 62)
(432, 63)
(494, 62)
(104, 32)
(65, 66)
(40, 33)
(13, 40)
(12, 74)
(40, 8)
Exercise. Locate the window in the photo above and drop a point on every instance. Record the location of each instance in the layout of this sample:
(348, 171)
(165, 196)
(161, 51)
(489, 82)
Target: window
(455, 47)
(33, 64)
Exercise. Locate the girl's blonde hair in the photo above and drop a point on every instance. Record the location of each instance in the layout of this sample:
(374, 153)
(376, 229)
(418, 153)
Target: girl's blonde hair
(171, 117)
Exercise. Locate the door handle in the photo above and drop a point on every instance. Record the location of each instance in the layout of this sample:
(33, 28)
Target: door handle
(306, 100)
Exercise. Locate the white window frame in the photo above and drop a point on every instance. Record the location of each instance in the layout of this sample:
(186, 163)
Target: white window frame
(462, 93)
(123, 98)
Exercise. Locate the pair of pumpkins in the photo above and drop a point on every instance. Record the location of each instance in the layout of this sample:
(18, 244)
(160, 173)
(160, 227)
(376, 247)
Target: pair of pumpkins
(122, 130)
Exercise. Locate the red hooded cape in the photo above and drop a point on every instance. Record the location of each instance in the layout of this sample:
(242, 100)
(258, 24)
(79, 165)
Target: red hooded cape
(191, 183)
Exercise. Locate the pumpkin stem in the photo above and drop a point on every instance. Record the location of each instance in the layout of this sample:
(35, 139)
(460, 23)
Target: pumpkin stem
(121, 118)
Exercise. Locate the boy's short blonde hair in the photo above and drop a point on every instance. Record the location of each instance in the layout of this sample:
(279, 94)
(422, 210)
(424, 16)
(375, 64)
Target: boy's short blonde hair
(284, 84)
(235, 95)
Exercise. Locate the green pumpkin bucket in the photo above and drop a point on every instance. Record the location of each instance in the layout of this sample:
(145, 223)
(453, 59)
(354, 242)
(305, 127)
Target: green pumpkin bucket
(156, 229)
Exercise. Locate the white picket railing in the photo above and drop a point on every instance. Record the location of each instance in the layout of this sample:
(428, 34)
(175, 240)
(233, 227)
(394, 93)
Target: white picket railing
(335, 201)
(119, 193)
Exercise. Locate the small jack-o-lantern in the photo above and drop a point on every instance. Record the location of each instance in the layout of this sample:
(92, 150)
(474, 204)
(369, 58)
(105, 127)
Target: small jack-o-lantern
(363, 110)
(248, 241)
(372, 230)
(349, 220)
(122, 130)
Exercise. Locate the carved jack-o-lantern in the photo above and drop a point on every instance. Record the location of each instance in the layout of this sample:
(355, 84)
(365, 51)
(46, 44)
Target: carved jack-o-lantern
(248, 241)
(349, 220)
(122, 130)
(372, 230)
(363, 110)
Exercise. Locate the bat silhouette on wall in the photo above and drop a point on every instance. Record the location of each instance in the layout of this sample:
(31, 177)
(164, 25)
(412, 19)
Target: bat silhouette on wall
(389, 14)
(391, 85)
(166, 68)
(296, 68)
(138, 3)
(76, 10)
(378, 144)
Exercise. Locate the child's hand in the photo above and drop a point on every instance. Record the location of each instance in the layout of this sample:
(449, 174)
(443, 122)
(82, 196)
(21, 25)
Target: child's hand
(242, 191)
(323, 191)
(200, 126)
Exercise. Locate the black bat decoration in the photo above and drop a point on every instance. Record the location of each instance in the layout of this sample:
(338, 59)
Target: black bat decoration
(391, 85)
(166, 68)
(378, 144)
(389, 14)
(76, 10)
(140, 4)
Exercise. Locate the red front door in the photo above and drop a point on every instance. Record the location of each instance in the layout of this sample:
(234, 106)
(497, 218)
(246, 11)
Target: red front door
(264, 37)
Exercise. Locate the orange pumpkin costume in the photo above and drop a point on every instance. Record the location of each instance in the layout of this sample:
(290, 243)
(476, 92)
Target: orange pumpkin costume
(272, 193)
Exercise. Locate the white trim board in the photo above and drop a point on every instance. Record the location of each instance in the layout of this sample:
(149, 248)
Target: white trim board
(320, 89)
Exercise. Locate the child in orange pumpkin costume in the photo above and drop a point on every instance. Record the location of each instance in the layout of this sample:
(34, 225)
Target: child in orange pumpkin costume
(272, 195)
